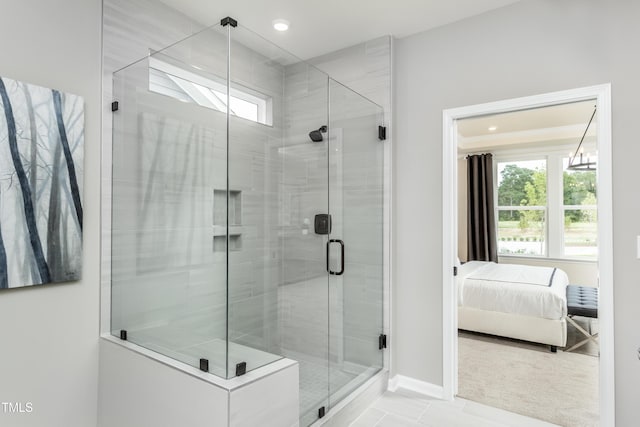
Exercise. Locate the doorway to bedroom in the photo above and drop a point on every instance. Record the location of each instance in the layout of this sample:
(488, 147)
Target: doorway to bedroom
(530, 187)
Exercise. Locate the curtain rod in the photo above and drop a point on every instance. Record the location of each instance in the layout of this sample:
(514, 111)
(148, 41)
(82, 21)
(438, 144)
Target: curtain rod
(476, 154)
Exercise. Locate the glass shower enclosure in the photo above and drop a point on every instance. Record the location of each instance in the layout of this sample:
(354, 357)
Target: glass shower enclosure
(247, 214)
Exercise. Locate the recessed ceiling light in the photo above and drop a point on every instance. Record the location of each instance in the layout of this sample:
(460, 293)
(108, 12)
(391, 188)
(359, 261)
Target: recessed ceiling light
(492, 128)
(281, 24)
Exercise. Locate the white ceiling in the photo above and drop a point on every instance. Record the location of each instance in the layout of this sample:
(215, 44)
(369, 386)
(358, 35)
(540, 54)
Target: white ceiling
(323, 26)
(534, 126)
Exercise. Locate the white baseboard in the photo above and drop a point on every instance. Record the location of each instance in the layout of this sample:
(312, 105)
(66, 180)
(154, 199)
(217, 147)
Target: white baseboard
(422, 387)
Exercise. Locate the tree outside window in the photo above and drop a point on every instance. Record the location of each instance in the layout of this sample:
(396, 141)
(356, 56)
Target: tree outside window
(523, 209)
(522, 201)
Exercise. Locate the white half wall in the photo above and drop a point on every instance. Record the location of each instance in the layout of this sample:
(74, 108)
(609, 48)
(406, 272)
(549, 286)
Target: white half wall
(528, 48)
(49, 353)
(136, 391)
(139, 391)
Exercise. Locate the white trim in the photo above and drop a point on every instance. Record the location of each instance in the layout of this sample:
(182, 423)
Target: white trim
(449, 257)
(387, 242)
(412, 384)
(602, 94)
(496, 141)
(226, 384)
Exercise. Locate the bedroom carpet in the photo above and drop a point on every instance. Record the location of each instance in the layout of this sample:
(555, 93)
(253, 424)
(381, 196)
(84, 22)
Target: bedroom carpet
(560, 388)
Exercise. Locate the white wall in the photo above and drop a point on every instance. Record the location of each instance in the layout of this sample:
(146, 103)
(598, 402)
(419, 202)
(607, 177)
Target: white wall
(49, 352)
(528, 48)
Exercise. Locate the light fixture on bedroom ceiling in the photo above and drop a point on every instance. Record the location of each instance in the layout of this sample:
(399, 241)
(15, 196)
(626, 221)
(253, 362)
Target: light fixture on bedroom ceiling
(280, 24)
(582, 164)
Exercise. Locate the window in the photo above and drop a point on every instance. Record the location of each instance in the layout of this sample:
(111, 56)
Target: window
(545, 210)
(522, 207)
(211, 92)
(580, 213)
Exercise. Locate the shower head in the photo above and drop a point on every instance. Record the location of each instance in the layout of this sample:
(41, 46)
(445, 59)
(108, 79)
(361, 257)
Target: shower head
(316, 135)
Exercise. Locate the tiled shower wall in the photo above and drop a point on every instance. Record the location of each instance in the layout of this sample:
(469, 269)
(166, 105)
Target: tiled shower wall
(354, 301)
(281, 184)
(365, 68)
(166, 269)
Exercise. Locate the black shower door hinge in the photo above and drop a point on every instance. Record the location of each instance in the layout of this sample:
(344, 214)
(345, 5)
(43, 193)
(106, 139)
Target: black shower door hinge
(228, 21)
(241, 369)
(321, 412)
(382, 133)
(114, 106)
(455, 270)
(382, 341)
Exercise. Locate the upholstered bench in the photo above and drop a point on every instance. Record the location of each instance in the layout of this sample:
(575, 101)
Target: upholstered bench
(582, 301)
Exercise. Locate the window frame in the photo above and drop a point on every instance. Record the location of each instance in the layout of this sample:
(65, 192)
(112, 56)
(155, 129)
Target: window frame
(241, 92)
(501, 158)
(565, 208)
(555, 209)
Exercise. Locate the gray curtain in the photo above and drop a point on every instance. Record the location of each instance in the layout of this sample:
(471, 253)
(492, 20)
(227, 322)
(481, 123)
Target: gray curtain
(481, 226)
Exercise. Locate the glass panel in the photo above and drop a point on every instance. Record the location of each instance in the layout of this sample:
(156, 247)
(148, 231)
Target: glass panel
(521, 232)
(522, 183)
(168, 252)
(255, 173)
(303, 198)
(579, 187)
(580, 212)
(278, 298)
(356, 202)
(581, 233)
(219, 251)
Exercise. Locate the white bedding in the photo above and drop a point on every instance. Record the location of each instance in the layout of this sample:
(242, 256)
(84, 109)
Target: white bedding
(507, 288)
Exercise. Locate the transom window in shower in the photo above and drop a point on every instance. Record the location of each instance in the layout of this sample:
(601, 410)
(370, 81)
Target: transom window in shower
(209, 91)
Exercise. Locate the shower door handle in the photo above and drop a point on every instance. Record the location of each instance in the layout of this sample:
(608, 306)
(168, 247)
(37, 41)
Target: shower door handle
(337, 273)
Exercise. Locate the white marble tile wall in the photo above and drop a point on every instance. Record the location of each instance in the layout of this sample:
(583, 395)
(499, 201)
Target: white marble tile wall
(130, 29)
(358, 207)
(366, 68)
(165, 270)
(282, 178)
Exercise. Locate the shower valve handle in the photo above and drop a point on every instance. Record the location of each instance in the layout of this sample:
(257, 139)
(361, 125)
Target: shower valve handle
(337, 273)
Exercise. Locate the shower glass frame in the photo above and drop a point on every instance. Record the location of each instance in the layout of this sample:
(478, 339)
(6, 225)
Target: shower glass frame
(216, 261)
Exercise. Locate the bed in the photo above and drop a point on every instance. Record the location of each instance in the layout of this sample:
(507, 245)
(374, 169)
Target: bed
(515, 301)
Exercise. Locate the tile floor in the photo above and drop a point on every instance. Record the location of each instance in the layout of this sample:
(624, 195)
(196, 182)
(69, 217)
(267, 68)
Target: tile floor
(404, 408)
(314, 387)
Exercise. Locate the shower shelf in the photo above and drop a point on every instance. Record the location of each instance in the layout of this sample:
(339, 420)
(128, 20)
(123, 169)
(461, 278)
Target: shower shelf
(220, 215)
(221, 230)
(220, 211)
(235, 242)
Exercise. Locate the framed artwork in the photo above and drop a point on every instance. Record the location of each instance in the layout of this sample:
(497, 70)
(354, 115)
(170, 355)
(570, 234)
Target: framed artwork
(41, 169)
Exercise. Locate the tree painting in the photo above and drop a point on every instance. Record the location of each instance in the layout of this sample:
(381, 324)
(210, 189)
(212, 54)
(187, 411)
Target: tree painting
(41, 165)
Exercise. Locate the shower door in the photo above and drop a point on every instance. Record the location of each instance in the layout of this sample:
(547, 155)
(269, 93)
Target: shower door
(355, 245)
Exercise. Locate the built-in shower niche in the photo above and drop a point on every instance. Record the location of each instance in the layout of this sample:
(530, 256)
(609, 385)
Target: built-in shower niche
(220, 220)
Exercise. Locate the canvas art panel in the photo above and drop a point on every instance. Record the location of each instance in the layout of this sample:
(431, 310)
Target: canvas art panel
(41, 169)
